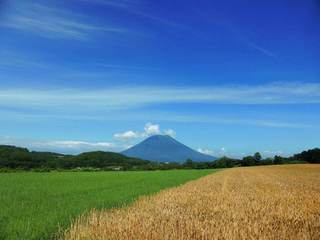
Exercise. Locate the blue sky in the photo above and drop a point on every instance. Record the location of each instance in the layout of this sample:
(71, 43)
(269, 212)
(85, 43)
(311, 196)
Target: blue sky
(224, 77)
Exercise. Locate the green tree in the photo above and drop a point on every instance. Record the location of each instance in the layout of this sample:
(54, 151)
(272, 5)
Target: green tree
(257, 158)
(225, 162)
(310, 156)
(277, 160)
(248, 161)
(189, 164)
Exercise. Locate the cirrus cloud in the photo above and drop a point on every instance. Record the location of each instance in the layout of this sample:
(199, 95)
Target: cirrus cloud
(50, 22)
(127, 97)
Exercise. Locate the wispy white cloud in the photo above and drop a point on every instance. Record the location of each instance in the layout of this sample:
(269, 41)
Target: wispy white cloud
(205, 151)
(261, 49)
(50, 22)
(222, 152)
(125, 67)
(9, 58)
(128, 135)
(115, 3)
(237, 121)
(129, 97)
(75, 144)
(63, 146)
(127, 146)
(116, 103)
(243, 36)
(170, 132)
(17, 114)
(238, 154)
(271, 153)
(134, 8)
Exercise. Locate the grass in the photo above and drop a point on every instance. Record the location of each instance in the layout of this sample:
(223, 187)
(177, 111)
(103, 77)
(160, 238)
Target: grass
(273, 202)
(36, 205)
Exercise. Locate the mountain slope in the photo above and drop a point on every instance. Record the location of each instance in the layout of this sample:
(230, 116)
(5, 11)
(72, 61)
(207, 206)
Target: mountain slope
(162, 148)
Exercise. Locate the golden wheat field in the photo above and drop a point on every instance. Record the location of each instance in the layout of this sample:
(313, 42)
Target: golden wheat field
(272, 202)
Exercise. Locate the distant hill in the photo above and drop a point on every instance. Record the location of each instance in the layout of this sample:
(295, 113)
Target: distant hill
(102, 159)
(16, 157)
(163, 148)
(156, 152)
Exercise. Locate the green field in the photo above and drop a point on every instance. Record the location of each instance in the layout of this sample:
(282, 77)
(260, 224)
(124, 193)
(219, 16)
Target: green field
(37, 205)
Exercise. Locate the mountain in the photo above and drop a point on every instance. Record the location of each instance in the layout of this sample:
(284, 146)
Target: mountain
(163, 148)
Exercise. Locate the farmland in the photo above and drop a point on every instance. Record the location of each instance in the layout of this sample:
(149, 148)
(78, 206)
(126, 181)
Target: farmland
(271, 202)
(39, 205)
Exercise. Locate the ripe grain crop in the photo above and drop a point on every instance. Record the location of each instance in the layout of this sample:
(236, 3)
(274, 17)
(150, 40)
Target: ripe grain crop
(273, 202)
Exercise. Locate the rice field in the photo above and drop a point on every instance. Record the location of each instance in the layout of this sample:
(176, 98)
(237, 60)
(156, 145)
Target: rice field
(40, 205)
(272, 202)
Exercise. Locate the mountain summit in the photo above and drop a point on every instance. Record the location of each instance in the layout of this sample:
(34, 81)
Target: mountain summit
(163, 148)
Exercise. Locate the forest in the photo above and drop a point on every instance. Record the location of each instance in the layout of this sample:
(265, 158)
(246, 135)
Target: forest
(16, 158)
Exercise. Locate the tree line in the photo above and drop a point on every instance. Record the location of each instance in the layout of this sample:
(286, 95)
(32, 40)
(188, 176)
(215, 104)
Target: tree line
(15, 158)
(21, 158)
